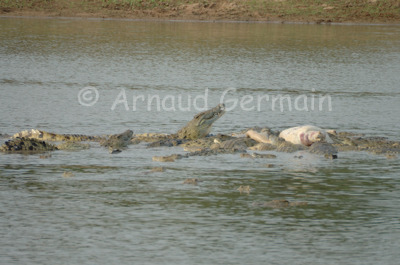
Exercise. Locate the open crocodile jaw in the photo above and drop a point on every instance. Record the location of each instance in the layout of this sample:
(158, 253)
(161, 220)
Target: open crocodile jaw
(201, 124)
(210, 116)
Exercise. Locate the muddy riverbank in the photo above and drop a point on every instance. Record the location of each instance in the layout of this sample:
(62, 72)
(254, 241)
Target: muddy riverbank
(308, 11)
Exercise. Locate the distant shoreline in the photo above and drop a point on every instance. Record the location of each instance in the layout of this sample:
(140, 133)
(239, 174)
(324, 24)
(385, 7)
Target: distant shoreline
(266, 11)
(394, 23)
(196, 20)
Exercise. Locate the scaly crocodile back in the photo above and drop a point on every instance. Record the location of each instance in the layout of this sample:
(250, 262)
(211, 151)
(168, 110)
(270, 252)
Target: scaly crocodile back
(48, 136)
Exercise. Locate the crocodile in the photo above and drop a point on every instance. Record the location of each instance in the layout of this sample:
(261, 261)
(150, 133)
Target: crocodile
(55, 137)
(26, 145)
(225, 144)
(199, 127)
(213, 145)
(236, 144)
(345, 141)
(37, 140)
(194, 137)
(339, 142)
(118, 141)
(201, 123)
(33, 145)
(265, 139)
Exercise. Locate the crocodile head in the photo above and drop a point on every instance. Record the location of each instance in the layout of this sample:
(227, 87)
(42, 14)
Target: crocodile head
(201, 123)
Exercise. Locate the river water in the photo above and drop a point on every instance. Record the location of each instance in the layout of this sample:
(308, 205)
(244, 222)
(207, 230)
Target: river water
(106, 76)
